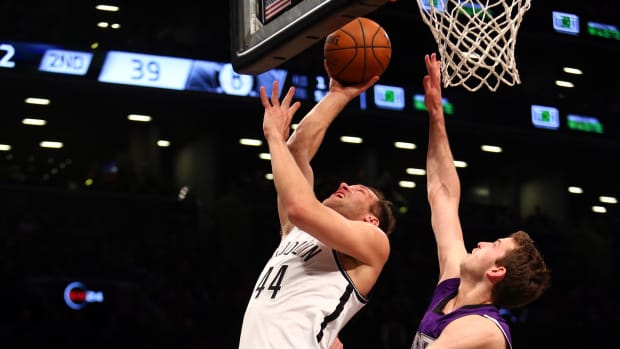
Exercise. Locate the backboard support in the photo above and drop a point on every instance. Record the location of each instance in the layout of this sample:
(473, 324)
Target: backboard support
(261, 41)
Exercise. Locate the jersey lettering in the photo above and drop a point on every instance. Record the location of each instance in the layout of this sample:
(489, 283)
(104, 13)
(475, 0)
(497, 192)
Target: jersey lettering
(304, 250)
(421, 341)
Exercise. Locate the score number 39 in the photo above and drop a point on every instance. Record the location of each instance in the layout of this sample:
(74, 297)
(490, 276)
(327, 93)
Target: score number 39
(145, 70)
(149, 70)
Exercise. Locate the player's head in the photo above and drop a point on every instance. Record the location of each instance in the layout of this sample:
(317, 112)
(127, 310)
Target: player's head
(526, 277)
(360, 202)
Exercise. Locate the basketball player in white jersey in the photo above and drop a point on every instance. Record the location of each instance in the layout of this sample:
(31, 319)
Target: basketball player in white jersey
(331, 252)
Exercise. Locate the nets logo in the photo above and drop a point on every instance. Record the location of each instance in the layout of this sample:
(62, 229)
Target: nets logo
(77, 296)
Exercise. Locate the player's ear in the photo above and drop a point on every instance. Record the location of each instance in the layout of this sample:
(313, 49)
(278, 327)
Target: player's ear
(496, 273)
(372, 219)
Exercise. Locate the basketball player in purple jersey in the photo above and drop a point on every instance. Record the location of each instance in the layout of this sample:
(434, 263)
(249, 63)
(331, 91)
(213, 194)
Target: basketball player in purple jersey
(506, 273)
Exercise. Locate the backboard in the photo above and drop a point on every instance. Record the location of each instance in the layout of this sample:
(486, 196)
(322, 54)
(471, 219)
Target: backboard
(267, 33)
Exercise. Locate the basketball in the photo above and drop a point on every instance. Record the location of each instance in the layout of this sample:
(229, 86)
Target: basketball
(357, 51)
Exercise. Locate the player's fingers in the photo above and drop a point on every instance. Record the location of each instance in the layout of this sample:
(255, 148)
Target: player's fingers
(426, 82)
(263, 97)
(289, 96)
(435, 72)
(274, 93)
(370, 82)
(294, 108)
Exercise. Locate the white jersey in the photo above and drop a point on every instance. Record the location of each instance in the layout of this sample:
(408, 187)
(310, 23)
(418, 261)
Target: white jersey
(302, 299)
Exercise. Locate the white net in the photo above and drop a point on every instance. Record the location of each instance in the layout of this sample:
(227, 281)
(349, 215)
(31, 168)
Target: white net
(476, 40)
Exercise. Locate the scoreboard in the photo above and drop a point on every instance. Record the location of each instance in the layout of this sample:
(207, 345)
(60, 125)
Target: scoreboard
(133, 69)
(185, 74)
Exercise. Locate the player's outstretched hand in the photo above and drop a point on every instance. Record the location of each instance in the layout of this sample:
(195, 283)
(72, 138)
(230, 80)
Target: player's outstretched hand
(278, 115)
(432, 84)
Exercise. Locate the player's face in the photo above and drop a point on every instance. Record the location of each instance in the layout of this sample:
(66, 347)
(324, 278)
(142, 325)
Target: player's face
(352, 201)
(484, 255)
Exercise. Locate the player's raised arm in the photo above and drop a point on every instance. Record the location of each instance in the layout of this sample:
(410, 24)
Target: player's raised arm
(310, 132)
(443, 186)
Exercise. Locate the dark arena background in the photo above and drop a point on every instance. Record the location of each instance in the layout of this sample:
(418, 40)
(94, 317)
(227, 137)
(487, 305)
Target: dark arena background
(117, 233)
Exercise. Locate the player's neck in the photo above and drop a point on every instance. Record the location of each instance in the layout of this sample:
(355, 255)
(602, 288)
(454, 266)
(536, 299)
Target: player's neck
(467, 296)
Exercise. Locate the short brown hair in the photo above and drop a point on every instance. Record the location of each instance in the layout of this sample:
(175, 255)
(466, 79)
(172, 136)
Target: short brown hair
(527, 275)
(384, 210)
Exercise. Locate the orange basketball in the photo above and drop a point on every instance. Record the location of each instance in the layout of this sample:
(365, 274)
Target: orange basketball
(357, 51)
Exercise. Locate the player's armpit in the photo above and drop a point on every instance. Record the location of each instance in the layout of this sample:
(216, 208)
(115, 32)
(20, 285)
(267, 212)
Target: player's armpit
(470, 332)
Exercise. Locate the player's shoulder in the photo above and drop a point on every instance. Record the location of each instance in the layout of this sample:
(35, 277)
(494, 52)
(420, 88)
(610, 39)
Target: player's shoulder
(381, 241)
(375, 232)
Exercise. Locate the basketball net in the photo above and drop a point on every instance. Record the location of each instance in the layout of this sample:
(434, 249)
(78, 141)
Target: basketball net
(476, 40)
